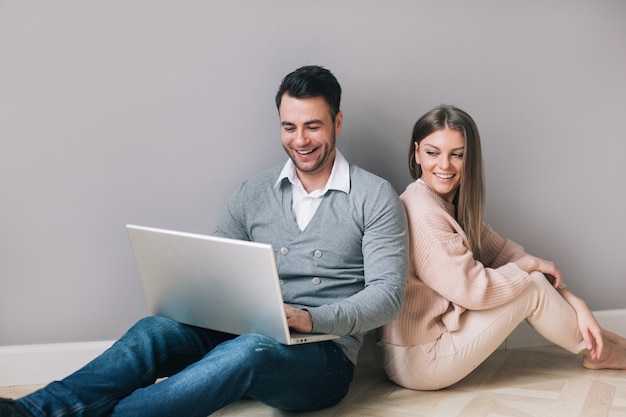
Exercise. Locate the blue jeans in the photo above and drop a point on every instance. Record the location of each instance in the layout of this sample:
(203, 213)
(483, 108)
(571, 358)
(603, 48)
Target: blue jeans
(206, 371)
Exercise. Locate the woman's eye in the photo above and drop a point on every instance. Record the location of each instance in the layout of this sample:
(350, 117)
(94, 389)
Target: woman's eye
(458, 155)
(431, 153)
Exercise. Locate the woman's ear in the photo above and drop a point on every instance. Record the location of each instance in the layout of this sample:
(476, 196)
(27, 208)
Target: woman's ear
(417, 157)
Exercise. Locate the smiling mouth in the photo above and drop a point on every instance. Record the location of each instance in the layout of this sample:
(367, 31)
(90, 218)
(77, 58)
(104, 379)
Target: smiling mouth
(444, 176)
(304, 152)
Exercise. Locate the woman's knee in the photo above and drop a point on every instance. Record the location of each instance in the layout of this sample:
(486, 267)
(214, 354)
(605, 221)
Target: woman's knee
(536, 291)
(539, 283)
(538, 278)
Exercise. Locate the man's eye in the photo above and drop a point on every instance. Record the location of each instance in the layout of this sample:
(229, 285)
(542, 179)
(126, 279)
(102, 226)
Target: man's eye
(289, 129)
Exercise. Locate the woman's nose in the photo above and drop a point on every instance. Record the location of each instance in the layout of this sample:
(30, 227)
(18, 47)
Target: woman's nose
(444, 162)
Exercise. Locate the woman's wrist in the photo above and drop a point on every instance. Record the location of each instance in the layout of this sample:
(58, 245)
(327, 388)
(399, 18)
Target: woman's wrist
(527, 264)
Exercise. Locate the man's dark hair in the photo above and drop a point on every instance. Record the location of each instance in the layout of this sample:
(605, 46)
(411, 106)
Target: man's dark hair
(312, 81)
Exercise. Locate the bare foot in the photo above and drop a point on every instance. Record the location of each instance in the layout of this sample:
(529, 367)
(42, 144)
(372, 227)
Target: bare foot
(615, 338)
(613, 357)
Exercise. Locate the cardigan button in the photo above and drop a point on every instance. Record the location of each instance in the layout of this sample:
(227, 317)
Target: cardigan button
(317, 253)
(316, 281)
(284, 251)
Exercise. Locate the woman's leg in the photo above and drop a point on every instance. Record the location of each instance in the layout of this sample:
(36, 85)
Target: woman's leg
(455, 354)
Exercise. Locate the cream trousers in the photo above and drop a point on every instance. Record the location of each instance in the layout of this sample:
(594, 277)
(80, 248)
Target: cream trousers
(454, 355)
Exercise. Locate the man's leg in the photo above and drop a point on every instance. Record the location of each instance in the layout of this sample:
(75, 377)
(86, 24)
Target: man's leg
(152, 348)
(301, 377)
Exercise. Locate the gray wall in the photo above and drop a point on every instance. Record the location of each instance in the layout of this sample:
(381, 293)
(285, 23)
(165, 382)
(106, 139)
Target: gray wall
(152, 112)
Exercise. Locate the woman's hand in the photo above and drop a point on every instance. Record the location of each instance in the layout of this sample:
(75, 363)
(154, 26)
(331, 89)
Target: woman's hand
(298, 320)
(592, 332)
(531, 263)
(587, 323)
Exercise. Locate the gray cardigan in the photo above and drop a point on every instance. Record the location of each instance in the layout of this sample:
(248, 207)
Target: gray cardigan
(348, 268)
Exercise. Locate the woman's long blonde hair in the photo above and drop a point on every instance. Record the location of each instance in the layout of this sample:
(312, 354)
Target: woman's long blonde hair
(470, 197)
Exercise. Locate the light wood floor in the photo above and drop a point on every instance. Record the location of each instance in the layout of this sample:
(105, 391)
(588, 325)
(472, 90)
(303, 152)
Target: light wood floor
(531, 382)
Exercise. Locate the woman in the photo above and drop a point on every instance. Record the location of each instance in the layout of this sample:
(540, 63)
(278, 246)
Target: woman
(468, 288)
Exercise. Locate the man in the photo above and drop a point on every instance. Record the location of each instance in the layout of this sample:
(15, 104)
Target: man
(340, 239)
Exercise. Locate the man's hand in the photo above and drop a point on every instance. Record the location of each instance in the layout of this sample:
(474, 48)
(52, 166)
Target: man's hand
(298, 320)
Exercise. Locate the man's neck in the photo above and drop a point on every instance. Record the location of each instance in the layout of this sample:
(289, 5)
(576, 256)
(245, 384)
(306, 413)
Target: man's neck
(314, 181)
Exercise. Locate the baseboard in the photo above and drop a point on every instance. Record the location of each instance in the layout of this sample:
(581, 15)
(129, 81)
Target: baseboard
(40, 364)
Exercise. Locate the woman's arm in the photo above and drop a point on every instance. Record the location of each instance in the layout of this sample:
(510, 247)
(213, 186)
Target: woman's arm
(442, 260)
(531, 263)
(587, 323)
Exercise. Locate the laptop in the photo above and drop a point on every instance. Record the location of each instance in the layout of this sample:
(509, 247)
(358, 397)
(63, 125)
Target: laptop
(222, 284)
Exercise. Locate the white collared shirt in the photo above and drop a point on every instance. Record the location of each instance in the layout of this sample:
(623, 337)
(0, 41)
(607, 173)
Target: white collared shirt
(303, 204)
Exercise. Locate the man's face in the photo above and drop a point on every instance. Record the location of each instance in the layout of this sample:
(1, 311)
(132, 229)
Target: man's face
(308, 135)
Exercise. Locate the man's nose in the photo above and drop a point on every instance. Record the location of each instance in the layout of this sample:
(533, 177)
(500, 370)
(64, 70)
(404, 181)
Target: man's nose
(301, 137)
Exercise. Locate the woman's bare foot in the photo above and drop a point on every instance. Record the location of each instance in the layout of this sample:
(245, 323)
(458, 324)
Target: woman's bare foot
(615, 338)
(613, 355)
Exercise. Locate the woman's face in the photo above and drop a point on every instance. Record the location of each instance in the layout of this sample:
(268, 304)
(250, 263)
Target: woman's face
(440, 155)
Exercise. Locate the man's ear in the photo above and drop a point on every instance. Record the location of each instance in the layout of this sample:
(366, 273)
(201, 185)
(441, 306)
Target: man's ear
(338, 122)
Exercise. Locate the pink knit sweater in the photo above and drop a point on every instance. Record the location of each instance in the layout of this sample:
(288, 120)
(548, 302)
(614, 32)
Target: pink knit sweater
(444, 279)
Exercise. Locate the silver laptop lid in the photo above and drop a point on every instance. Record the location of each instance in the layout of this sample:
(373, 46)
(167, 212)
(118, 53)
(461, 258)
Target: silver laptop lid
(217, 283)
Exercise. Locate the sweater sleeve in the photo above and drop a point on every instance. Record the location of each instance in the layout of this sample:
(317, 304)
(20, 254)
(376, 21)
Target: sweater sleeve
(231, 223)
(444, 262)
(498, 251)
